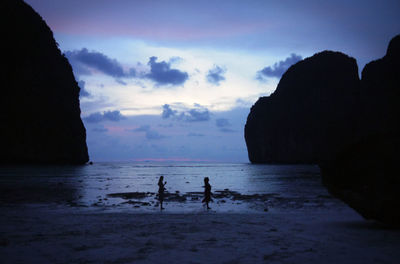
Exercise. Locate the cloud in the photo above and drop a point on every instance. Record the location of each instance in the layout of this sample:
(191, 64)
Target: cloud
(83, 61)
(150, 136)
(162, 74)
(149, 133)
(97, 117)
(279, 68)
(175, 59)
(215, 75)
(168, 112)
(224, 125)
(83, 92)
(197, 114)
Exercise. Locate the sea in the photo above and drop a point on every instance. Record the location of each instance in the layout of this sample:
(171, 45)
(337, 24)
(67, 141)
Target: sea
(132, 186)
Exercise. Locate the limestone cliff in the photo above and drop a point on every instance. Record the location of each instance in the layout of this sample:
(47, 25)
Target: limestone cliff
(321, 113)
(309, 117)
(365, 174)
(39, 102)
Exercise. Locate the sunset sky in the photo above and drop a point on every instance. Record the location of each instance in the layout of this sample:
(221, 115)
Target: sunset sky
(175, 80)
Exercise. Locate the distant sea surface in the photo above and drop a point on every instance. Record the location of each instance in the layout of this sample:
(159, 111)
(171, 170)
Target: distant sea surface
(133, 186)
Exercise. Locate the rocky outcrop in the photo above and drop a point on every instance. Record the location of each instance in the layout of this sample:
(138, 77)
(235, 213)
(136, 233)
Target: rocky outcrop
(39, 102)
(380, 93)
(321, 113)
(309, 118)
(365, 175)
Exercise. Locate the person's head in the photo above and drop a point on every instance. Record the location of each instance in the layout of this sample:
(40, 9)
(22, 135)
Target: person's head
(161, 178)
(206, 179)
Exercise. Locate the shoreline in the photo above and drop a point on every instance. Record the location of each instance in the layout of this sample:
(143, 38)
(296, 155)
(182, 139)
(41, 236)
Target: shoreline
(108, 214)
(44, 233)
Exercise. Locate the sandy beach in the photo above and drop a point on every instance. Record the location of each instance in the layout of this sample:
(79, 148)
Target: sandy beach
(65, 234)
(96, 215)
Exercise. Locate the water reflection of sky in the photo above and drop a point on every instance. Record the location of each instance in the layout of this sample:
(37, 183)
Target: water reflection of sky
(89, 185)
(188, 177)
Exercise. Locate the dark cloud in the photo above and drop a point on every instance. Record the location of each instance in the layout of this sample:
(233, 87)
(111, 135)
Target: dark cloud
(224, 125)
(168, 112)
(149, 133)
(79, 68)
(215, 75)
(162, 74)
(113, 115)
(279, 68)
(97, 117)
(83, 92)
(83, 60)
(196, 114)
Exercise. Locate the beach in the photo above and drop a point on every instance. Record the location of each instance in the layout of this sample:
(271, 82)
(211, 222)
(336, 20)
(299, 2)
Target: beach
(35, 234)
(108, 213)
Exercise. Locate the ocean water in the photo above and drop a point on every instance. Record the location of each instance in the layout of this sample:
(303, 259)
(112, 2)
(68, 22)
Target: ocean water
(237, 187)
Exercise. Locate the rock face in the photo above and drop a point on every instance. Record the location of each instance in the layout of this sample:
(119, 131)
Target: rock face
(321, 113)
(380, 93)
(309, 117)
(39, 102)
(365, 175)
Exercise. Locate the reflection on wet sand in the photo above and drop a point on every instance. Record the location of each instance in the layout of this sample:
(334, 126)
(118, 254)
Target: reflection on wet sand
(40, 184)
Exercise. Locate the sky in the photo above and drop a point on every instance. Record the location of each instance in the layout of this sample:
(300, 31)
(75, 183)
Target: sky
(174, 80)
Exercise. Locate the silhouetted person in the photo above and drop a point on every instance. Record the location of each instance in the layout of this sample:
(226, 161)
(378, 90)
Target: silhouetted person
(207, 192)
(161, 190)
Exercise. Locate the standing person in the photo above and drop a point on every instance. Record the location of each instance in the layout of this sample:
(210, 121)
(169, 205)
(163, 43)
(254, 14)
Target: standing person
(161, 189)
(207, 192)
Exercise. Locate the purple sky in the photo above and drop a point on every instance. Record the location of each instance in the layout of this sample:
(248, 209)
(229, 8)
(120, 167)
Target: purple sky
(175, 79)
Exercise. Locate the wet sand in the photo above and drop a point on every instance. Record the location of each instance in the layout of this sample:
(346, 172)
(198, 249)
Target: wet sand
(64, 233)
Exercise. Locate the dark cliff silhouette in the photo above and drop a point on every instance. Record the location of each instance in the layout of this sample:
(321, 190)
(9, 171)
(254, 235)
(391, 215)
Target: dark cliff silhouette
(365, 175)
(308, 118)
(322, 113)
(39, 102)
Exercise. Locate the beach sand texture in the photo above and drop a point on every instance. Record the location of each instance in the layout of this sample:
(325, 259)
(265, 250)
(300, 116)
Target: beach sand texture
(72, 218)
(37, 234)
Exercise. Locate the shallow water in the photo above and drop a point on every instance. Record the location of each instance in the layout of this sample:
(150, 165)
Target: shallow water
(251, 187)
